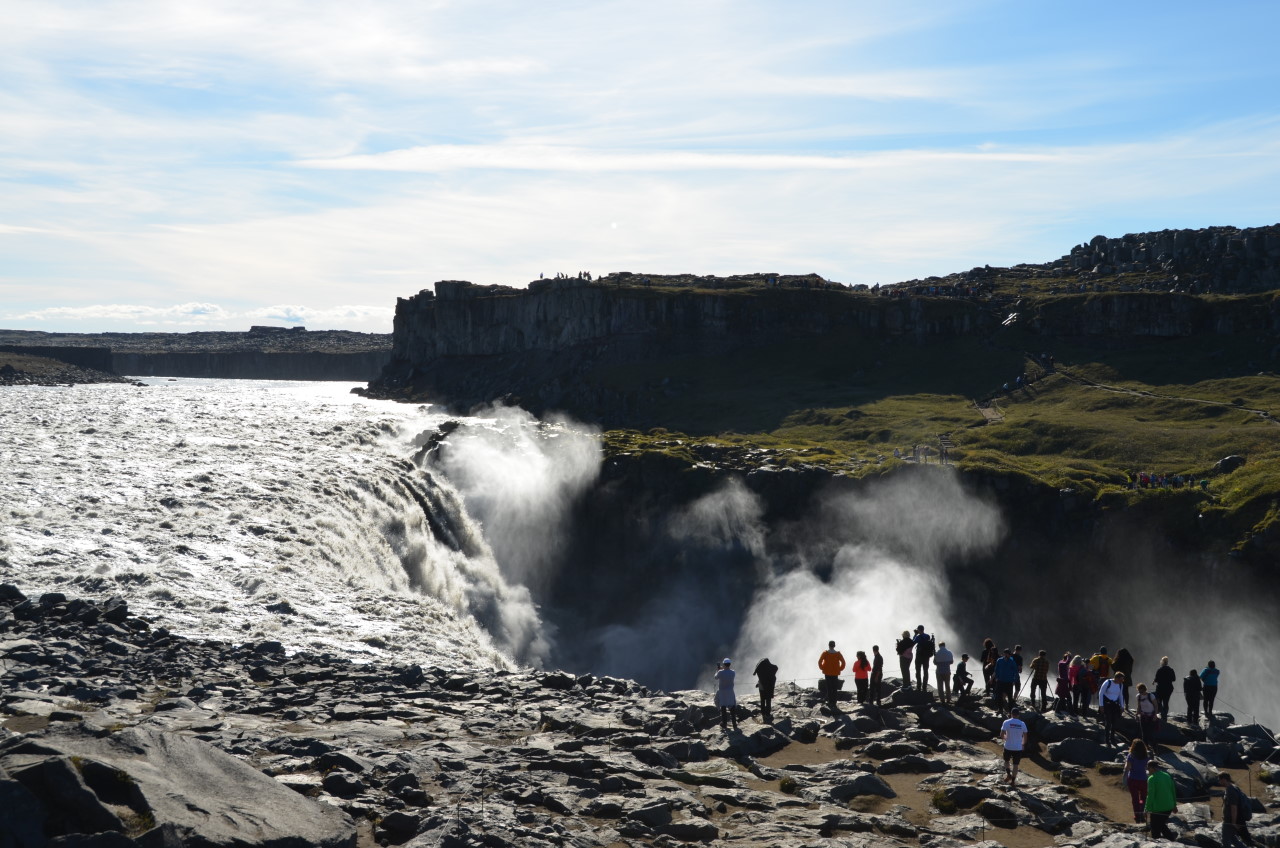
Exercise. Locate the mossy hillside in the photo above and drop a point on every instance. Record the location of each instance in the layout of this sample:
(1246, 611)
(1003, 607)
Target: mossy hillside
(1172, 407)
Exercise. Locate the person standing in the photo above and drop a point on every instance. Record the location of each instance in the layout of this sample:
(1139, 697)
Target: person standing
(1040, 680)
(1081, 688)
(987, 659)
(1063, 689)
(1135, 778)
(1148, 714)
(766, 674)
(861, 673)
(1162, 800)
(1111, 702)
(877, 674)
(725, 698)
(1165, 678)
(1123, 663)
(1191, 690)
(1013, 733)
(942, 659)
(924, 646)
(903, 648)
(1101, 664)
(831, 663)
(1209, 677)
(1006, 681)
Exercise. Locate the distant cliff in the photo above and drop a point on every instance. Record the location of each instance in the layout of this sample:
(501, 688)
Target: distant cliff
(263, 353)
(468, 344)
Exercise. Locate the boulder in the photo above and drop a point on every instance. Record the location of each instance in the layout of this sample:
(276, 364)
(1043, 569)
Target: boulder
(207, 798)
(1080, 752)
(863, 784)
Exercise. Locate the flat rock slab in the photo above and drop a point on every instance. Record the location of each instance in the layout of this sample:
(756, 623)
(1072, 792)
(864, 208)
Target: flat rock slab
(191, 790)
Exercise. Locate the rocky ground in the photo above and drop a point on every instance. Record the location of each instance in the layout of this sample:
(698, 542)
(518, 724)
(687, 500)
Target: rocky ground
(21, 370)
(117, 734)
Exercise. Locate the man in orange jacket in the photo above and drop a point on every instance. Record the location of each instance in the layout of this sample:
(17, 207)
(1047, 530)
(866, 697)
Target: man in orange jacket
(832, 663)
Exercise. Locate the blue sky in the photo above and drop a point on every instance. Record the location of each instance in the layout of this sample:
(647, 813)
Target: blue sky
(181, 166)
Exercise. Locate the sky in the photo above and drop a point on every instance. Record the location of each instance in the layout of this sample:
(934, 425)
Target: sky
(212, 165)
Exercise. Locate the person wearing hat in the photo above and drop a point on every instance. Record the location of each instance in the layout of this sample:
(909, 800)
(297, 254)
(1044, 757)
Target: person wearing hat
(726, 700)
(1013, 733)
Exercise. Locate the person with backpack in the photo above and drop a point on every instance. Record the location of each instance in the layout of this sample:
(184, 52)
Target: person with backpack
(1148, 714)
(766, 674)
(903, 648)
(1040, 680)
(1191, 690)
(1006, 681)
(1111, 702)
(1100, 663)
(925, 647)
(1236, 813)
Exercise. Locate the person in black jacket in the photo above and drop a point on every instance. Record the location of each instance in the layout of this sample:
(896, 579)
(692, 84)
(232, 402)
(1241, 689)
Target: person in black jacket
(1164, 680)
(903, 647)
(877, 673)
(1191, 688)
(766, 678)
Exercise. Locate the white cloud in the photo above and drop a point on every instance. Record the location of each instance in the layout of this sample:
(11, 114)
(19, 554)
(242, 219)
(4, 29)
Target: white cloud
(535, 157)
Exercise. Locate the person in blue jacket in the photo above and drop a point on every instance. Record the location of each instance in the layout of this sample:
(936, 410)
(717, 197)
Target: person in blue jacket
(1006, 681)
(1209, 677)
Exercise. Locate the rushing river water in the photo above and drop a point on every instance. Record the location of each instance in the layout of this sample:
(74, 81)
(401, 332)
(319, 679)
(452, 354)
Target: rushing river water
(246, 510)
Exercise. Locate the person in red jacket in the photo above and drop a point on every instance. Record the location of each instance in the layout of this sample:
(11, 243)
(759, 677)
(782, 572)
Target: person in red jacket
(831, 663)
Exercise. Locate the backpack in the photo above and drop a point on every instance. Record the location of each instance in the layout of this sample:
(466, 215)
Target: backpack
(1244, 804)
(928, 647)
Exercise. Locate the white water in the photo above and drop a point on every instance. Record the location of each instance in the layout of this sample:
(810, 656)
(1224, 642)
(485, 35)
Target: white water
(205, 501)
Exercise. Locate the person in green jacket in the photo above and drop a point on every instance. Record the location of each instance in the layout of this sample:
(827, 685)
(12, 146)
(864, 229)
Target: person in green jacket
(1161, 800)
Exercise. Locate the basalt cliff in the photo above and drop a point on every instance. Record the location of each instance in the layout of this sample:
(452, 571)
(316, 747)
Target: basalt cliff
(607, 349)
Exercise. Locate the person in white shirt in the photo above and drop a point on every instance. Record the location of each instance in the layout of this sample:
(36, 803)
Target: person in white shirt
(1014, 735)
(942, 660)
(1111, 700)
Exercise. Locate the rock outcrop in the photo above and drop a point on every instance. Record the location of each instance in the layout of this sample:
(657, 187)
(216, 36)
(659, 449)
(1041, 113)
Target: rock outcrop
(122, 734)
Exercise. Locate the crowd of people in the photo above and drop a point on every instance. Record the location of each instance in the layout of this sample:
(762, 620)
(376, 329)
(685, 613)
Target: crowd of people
(1101, 681)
